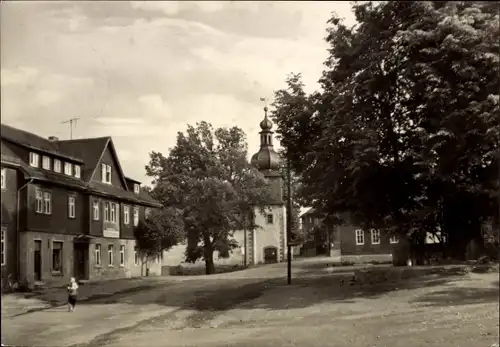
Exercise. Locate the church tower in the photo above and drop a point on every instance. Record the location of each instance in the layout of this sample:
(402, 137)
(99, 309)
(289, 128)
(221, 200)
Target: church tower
(268, 242)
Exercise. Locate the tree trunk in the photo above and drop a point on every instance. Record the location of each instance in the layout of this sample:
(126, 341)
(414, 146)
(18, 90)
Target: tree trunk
(209, 256)
(209, 262)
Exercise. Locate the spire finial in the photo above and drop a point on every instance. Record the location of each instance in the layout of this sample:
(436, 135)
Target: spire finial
(264, 100)
(266, 123)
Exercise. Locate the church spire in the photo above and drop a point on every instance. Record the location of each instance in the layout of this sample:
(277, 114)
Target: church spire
(266, 158)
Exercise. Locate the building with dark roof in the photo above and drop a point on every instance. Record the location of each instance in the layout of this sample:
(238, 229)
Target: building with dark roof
(67, 209)
(348, 239)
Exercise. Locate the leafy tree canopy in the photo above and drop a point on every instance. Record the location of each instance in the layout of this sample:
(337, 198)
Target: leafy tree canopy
(161, 230)
(208, 178)
(404, 131)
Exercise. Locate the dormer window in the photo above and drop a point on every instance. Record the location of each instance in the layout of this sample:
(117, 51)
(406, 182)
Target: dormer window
(45, 162)
(57, 165)
(137, 188)
(34, 159)
(106, 173)
(68, 169)
(77, 171)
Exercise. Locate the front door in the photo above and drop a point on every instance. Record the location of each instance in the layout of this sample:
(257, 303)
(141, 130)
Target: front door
(80, 256)
(270, 255)
(37, 257)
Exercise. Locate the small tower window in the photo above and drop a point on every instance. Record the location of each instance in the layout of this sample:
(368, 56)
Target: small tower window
(270, 219)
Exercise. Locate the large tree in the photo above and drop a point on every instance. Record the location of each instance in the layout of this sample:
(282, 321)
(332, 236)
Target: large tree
(207, 176)
(159, 231)
(404, 132)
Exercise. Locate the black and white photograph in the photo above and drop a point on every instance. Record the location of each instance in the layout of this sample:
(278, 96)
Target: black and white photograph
(250, 173)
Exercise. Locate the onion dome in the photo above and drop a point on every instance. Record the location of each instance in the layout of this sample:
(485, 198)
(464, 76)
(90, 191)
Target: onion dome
(266, 158)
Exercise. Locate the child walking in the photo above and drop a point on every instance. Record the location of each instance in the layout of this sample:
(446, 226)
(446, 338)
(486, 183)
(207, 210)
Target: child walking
(72, 294)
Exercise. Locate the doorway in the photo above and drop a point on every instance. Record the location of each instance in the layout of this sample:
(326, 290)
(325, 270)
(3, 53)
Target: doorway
(270, 255)
(80, 260)
(37, 257)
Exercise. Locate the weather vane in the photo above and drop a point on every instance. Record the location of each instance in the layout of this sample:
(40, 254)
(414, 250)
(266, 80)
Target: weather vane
(265, 103)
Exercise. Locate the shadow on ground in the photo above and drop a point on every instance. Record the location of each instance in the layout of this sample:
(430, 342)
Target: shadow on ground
(460, 296)
(221, 295)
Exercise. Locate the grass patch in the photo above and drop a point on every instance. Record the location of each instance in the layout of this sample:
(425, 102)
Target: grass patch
(200, 270)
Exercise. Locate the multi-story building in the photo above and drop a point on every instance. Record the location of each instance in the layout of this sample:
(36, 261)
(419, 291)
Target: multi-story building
(355, 243)
(68, 210)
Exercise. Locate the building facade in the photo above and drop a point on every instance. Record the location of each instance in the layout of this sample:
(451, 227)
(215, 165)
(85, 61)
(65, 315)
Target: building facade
(321, 240)
(268, 242)
(351, 241)
(68, 210)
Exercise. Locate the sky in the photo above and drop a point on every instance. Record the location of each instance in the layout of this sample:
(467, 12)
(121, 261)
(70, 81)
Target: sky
(142, 71)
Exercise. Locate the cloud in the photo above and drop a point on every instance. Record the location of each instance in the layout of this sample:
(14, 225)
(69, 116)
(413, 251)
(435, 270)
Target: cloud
(155, 106)
(141, 71)
(47, 97)
(20, 76)
(168, 7)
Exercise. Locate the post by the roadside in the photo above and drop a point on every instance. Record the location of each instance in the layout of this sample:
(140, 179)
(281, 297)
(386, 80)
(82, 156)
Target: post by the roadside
(289, 223)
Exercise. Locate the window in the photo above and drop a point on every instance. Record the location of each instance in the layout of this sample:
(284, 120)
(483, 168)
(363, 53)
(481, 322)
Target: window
(110, 210)
(95, 209)
(110, 255)
(106, 173)
(4, 174)
(45, 162)
(68, 169)
(71, 206)
(147, 212)
(375, 235)
(38, 201)
(57, 248)
(47, 202)
(136, 256)
(126, 215)
(270, 219)
(106, 212)
(158, 258)
(77, 171)
(360, 237)
(394, 239)
(137, 188)
(34, 159)
(4, 256)
(136, 216)
(57, 165)
(113, 213)
(97, 254)
(122, 255)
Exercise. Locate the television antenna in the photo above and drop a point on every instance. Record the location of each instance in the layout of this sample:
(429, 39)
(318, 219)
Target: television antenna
(71, 121)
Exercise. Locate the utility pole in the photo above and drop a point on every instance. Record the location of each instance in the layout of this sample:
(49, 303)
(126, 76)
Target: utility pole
(289, 218)
(71, 121)
(289, 221)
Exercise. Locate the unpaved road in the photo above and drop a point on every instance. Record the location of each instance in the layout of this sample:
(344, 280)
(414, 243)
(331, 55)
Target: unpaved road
(255, 308)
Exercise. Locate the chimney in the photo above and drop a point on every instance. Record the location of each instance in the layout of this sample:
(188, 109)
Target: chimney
(53, 138)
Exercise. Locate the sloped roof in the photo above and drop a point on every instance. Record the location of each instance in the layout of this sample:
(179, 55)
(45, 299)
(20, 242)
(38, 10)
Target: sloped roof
(84, 151)
(309, 212)
(34, 141)
(119, 193)
(131, 180)
(90, 150)
(96, 148)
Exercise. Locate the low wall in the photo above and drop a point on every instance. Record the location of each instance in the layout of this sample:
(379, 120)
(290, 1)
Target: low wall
(366, 258)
